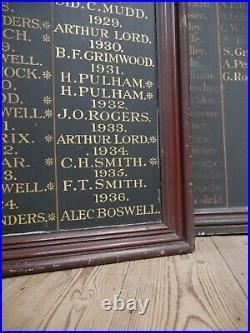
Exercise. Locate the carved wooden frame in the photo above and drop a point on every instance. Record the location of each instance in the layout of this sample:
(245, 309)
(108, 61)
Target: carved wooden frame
(221, 221)
(34, 253)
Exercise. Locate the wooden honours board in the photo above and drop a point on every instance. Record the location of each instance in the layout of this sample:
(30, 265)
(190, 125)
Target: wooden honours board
(95, 101)
(218, 49)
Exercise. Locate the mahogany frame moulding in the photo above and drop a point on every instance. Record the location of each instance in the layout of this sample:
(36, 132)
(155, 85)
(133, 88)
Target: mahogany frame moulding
(35, 253)
(221, 221)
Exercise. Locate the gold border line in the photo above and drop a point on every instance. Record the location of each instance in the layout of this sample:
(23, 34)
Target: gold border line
(54, 114)
(222, 103)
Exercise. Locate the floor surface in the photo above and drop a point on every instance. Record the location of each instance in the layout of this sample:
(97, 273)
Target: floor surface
(206, 290)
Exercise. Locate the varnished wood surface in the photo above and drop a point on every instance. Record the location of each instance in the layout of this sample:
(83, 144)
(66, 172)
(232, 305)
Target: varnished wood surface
(206, 290)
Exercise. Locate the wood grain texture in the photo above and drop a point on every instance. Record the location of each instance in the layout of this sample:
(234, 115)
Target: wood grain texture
(234, 249)
(198, 291)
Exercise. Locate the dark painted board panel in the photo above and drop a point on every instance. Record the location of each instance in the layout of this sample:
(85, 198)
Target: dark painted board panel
(234, 63)
(218, 72)
(32, 253)
(80, 116)
(207, 151)
(28, 184)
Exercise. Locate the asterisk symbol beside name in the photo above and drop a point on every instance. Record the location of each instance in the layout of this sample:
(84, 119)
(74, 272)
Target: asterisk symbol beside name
(46, 25)
(47, 100)
(153, 161)
(51, 216)
(149, 84)
(47, 75)
(48, 113)
(153, 139)
(50, 186)
(49, 161)
(46, 38)
(149, 95)
(48, 138)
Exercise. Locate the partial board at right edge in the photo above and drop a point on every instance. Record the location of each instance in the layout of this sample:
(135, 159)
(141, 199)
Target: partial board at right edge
(218, 49)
